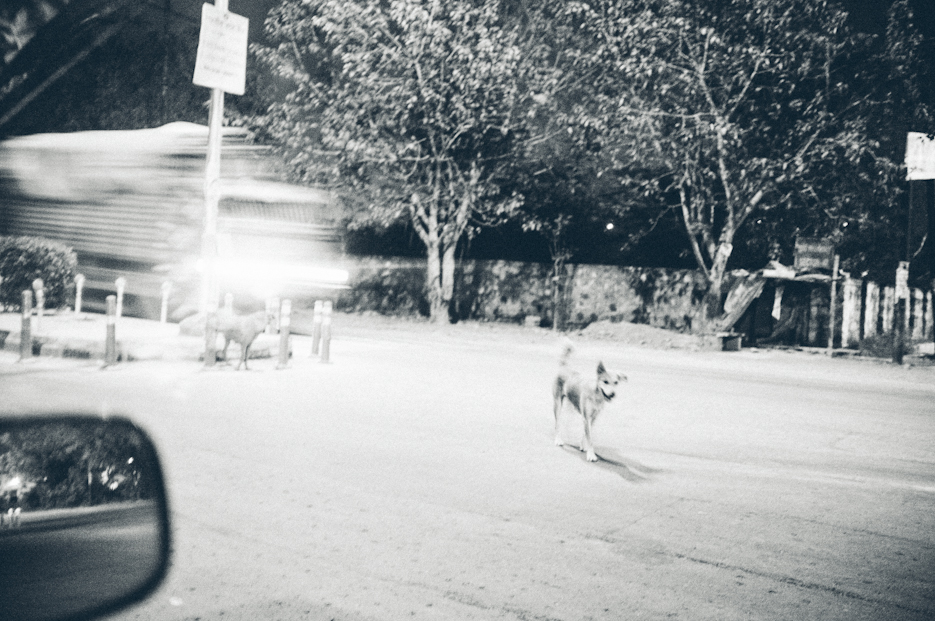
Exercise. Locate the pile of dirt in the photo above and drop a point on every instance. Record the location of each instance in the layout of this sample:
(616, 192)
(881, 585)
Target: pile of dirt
(642, 335)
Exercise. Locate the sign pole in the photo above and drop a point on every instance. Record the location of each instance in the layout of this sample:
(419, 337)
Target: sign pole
(212, 192)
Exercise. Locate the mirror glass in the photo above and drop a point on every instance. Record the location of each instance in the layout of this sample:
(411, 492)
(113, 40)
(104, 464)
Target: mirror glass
(83, 519)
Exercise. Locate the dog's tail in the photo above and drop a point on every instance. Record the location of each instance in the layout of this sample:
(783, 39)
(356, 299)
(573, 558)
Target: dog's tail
(567, 349)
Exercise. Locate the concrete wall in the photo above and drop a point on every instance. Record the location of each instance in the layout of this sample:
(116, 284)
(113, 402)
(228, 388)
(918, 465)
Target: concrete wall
(514, 291)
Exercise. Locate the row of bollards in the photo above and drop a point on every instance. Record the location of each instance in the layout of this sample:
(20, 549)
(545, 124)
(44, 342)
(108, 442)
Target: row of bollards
(321, 331)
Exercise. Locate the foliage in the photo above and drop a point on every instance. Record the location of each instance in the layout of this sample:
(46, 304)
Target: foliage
(413, 105)
(24, 259)
(71, 465)
(754, 118)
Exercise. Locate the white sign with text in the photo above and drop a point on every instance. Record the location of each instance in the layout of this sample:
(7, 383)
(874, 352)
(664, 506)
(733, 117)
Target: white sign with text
(221, 60)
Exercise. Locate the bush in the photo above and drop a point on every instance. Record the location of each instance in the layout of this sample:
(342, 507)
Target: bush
(882, 346)
(23, 259)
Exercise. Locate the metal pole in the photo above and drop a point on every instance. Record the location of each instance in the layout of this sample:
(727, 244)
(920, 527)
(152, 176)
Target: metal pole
(212, 193)
(316, 327)
(79, 287)
(326, 332)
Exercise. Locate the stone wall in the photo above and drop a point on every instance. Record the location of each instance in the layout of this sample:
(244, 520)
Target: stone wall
(515, 291)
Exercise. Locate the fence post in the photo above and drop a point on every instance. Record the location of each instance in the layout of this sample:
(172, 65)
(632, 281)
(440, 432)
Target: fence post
(39, 287)
(871, 310)
(850, 313)
(889, 302)
(918, 314)
(285, 320)
(316, 327)
(326, 332)
(110, 344)
(25, 338)
(79, 289)
(121, 284)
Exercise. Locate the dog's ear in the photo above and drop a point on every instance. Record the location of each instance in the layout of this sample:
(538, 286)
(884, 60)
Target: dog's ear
(600, 368)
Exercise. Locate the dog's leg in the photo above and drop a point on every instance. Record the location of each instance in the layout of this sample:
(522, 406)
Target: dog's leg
(558, 400)
(244, 354)
(586, 443)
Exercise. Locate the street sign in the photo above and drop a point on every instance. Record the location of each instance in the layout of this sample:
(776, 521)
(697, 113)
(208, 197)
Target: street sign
(920, 157)
(221, 60)
(813, 253)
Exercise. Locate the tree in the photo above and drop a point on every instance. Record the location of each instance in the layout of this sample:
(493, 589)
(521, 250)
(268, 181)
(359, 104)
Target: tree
(735, 109)
(407, 107)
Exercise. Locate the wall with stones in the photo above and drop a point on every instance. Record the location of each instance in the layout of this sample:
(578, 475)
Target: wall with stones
(517, 292)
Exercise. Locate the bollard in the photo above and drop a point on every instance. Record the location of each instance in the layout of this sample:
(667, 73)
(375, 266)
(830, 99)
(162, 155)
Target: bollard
(211, 337)
(79, 289)
(326, 332)
(121, 284)
(164, 309)
(39, 287)
(229, 303)
(285, 319)
(25, 339)
(316, 328)
(110, 344)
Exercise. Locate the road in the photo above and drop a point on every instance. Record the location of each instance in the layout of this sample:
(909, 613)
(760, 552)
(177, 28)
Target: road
(415, 477)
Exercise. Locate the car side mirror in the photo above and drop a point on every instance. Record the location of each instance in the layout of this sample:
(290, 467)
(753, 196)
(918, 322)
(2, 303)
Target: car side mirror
(84, 526)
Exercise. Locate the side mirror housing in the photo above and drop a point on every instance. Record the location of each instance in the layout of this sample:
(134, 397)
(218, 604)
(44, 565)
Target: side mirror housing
(84, 522)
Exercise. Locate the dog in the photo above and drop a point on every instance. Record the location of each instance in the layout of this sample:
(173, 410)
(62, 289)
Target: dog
(588, 397)
(243, 330)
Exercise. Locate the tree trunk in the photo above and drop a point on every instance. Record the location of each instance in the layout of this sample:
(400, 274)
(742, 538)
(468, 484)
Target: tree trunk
(447, 280)
(433, 281)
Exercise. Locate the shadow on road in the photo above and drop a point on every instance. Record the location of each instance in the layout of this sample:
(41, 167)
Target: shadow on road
(610, 459)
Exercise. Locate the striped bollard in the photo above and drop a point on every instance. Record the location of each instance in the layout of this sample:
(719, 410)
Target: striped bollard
(79, 290)
(326, 332)
(110, 344)
(39, 287)
(164, 309)
(121, 284)
(285, 319)
(25, 338)
(316, 328)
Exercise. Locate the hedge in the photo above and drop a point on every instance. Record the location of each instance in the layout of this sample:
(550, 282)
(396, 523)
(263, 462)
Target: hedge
(23, 259)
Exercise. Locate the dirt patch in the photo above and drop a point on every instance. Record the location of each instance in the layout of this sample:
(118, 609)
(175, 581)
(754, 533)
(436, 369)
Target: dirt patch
(642, 335)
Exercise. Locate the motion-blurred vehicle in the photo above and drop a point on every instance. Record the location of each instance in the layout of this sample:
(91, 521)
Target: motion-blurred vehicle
(132, 203)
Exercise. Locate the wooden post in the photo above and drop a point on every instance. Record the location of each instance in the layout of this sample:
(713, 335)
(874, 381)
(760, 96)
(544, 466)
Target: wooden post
(814, 306)
(929, 318)
(832, 310)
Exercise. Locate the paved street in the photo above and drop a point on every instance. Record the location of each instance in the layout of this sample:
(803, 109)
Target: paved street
(415, 477)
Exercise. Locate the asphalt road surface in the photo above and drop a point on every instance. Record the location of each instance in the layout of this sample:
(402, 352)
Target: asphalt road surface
(416, 477)
(79, 563)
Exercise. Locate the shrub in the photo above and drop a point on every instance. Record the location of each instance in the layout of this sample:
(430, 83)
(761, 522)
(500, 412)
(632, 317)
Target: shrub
(882, 346)
(23, 259)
